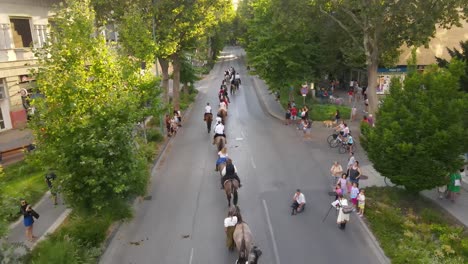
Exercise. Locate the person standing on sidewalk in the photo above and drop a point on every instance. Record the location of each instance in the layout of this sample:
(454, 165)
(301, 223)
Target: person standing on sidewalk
(28, 220)
(49, 178)
(454, 185)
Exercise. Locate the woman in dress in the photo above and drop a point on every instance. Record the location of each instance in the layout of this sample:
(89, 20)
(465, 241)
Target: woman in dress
(28, 219)
(454, 185)
(342, 218)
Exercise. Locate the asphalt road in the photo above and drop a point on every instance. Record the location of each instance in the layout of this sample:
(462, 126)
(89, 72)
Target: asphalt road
(183, 223)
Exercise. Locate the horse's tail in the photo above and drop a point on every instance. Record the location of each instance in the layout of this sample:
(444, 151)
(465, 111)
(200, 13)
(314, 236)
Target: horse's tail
(242, 251)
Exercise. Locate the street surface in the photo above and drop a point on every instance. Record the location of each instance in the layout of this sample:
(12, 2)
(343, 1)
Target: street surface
(183, 222)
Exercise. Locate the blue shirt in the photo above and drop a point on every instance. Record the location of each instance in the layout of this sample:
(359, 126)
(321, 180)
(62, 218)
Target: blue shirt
(350, 140)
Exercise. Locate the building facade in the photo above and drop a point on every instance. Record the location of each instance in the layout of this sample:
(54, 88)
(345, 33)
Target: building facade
(23, 26)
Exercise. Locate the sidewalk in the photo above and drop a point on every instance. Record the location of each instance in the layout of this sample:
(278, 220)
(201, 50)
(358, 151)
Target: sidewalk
(50, 219)
(459, 209)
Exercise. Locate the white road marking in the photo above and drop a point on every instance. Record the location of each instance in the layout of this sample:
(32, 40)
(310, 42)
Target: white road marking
(191, 256)
(253, 162)
(270, 227)
(239, 138)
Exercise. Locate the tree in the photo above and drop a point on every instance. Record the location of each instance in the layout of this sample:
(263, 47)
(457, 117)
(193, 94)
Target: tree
(421, 129)
(460, 55)
(387, 25)
(92, 100)
(282, 41)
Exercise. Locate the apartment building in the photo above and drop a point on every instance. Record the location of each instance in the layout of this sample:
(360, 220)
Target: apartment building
(23, 26)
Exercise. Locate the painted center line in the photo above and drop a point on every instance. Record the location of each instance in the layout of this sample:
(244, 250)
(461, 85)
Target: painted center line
(253, 162)
(272, 234)
(191, 256)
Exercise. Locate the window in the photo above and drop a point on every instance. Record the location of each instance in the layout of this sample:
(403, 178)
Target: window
(2, 89)
(41, 33)
(21, 29)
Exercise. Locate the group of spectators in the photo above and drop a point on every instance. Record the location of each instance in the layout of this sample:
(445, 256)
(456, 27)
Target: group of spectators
(293, 115)
(173, 122)
(346, 188)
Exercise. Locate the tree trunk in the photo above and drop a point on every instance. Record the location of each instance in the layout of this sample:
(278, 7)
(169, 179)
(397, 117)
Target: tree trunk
(371, 87)
(164, 62)
(175, 80)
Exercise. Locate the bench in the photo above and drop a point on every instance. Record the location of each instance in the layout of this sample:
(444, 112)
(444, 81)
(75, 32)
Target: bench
(14, 151)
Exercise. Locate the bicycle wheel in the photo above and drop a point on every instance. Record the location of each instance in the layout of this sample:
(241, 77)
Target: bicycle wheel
(343, 149)
(330, 138)
(335, 143)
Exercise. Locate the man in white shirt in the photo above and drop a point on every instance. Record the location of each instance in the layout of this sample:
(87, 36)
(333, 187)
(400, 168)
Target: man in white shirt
(299, 202)
(218, 130)
(207, 108)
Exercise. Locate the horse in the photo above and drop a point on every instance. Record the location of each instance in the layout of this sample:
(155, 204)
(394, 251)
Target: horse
(243, 238)
(230, 188)
(233, 89)
(222, 113)
(208, 119)
(220, 141)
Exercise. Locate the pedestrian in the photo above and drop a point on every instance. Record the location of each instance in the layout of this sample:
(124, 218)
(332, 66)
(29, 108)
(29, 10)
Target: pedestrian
(350, 95)
(336, 170)
(337, 116)
(338, 191)
(28, 219)
(370, 120)
(361, 202)
(353, 113)
(351, 161)
(343, 182)
(293, 112)
(366, 104)
(230, 223)
(168, 125)
(354, 194)
(49, 178)
(288, 117)
(341, 204)
(355, 173)
(454, 185)
(298, 202)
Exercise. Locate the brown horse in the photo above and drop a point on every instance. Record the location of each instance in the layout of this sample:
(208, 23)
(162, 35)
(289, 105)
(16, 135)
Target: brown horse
(230, 188)
(208, 118)
(248, 253)
(223, 114)
(220, 141)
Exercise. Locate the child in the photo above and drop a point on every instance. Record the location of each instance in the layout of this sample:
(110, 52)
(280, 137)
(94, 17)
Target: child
(338, 191)
(354, 194)
(361, 202)
(353, 113)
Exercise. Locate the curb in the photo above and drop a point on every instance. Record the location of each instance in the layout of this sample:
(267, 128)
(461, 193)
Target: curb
(53, 227)
(377, 249)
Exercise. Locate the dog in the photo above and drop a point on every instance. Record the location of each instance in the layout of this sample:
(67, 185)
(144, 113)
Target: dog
(328, 123)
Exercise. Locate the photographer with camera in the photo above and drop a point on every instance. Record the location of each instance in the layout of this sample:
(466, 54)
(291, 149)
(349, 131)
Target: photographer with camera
(28, 219)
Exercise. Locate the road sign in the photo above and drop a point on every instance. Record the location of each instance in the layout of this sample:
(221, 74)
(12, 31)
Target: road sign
(304, 91)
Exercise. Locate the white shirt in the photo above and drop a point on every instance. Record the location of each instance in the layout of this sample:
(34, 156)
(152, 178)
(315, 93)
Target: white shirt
(207, 109)
(237, 76)
(230, 221)
(343, 202)
(219, 129)
(223, 172)
(300, 199)
(222, 105)
(351, 161)
(222, 155)
(346, 130)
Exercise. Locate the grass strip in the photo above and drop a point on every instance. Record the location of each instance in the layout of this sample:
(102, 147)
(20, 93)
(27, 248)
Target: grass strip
(412, 229)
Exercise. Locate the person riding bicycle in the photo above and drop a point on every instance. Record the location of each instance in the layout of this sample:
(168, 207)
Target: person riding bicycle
(219, 130)
(299, 202)
(229, 172)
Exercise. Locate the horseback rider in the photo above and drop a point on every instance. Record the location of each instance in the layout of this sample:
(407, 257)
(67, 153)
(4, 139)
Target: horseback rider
(229, 172)
(207, 111)
(219, 130)
(222, 157)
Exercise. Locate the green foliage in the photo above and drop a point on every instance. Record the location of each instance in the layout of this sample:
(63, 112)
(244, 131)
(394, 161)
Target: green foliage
(92, 100)
(417, 141)
(154, 135)
(460, 55)
(407, 225)
(320, 112)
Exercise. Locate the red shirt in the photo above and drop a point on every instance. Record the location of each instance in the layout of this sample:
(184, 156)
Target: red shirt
(294, 111)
